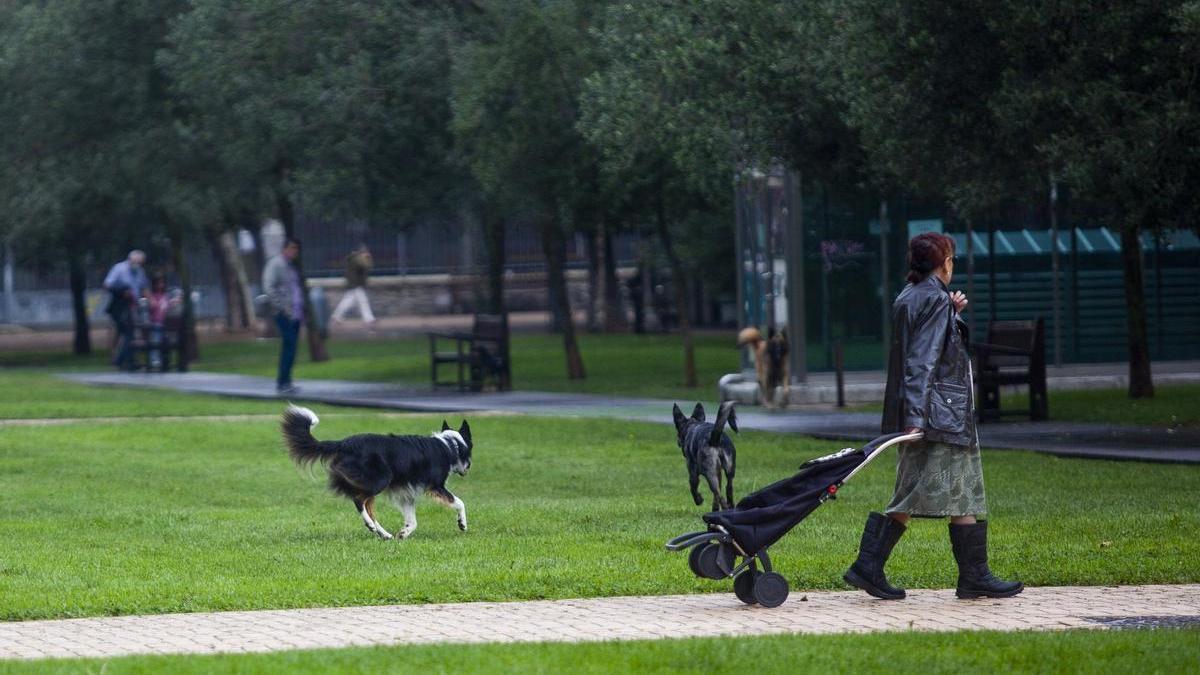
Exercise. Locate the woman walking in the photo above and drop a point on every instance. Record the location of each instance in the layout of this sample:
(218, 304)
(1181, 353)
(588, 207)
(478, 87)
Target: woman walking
(930, 390)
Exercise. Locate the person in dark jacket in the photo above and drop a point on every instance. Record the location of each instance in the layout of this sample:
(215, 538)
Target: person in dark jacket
(930, 390)
(358, 269)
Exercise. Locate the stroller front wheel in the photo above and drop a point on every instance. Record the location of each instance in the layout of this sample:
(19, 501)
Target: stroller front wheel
(743, 585)
(770, 589)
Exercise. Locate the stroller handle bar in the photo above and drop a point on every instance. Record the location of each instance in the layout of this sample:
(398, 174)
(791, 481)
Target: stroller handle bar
(877, 446)
(692, 538)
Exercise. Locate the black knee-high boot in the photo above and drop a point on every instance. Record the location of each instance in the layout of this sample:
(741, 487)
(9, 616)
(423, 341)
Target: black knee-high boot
(878, 538)
(975, 579)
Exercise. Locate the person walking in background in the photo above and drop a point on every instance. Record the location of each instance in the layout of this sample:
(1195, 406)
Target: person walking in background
(126, 284)
(281, 283)
(358, 269)
(930, 390)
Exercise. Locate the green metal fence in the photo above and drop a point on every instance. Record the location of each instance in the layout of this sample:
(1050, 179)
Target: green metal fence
(827, 264)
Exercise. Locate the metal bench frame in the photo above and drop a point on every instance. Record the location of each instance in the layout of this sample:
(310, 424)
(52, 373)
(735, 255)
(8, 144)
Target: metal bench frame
(479, 355)
(1014, 354)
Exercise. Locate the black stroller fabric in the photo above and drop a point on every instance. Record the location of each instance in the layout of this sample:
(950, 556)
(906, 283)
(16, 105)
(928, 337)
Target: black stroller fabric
(763, 517)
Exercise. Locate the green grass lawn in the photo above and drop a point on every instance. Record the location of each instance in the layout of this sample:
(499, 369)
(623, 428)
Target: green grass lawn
(37, 393)
(1162, 651)
(626, 365)
(629, 365)
(162, 516)
(1173, 406)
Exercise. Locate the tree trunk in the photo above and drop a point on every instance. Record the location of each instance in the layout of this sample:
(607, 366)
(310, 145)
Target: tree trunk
(316, 341)
(82, 344)
(971, 274)
(227, 285)
(679, 281)
(1055, 295)
(639, 294)
(552, 302)
(593, 303)
(555, 248)
(885, 292)
(260, 256)
(615, 320)
(189, 348)
(241, 280)
(493, 241)
(1141, 385)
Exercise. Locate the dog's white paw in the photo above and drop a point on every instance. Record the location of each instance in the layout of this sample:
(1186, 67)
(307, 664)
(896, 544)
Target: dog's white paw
(405, 534)
(385, 535)
(462, 525)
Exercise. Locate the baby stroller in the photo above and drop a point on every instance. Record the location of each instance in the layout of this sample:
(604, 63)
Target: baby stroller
(763, 517)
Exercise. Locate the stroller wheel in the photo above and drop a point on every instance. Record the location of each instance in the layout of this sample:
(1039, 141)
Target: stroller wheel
(770, 589)
(708, 561)
(694, 558)
(743, 585)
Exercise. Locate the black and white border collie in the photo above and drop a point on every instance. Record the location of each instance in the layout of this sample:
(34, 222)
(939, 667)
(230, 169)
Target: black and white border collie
(364, 466)
(708, 450)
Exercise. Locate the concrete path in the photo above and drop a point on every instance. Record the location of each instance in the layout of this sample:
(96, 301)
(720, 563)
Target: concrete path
(623, 618)
(1059, 438)
(866, 386)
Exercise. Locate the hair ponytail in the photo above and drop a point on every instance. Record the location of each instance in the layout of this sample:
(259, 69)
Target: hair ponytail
(926, 253)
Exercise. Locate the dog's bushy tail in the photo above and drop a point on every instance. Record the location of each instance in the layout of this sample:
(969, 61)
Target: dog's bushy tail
(725, 416)
(296, 425)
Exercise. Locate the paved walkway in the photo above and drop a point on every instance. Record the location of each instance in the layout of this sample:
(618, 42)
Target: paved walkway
(866, 386)
(623, 618)
(1059, 438)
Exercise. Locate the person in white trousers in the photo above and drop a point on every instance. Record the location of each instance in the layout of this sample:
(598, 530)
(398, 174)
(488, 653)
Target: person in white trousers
(358, 269)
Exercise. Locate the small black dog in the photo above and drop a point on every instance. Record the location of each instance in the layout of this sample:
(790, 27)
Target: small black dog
(708, 451)
(364, 466)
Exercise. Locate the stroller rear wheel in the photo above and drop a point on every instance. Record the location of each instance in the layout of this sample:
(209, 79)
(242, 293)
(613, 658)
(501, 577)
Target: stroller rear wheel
(770, 589)
(715, 560)
(743, 585)
(694, 559)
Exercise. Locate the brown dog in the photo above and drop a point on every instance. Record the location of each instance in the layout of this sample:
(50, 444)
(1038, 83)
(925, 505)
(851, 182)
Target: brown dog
(770, 363)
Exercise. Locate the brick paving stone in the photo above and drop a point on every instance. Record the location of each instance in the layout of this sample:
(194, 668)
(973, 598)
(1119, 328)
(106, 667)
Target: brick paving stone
(1043, 608)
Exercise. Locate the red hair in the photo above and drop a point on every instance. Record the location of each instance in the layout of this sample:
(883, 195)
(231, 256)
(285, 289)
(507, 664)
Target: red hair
(926, 253)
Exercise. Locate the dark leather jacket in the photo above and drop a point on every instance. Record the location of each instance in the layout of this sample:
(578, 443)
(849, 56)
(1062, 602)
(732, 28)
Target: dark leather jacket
(358, 267)
(929, 369)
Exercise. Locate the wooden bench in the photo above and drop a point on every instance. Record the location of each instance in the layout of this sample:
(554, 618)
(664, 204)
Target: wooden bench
(480, 355)
(1014, 354)
(145, 345)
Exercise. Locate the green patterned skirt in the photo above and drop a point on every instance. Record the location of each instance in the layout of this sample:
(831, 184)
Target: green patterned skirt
(938, 479)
